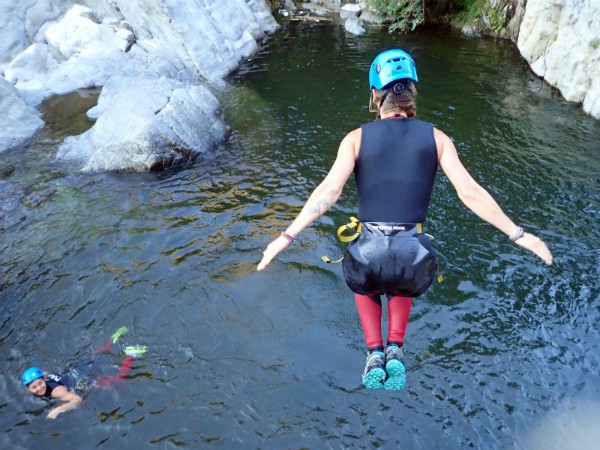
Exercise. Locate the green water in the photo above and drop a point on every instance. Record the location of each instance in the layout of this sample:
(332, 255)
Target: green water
(498, 355)
(65, 115)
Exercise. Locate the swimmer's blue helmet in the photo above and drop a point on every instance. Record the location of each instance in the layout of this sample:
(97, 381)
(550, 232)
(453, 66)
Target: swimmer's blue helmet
(390, 66)
(31, 374)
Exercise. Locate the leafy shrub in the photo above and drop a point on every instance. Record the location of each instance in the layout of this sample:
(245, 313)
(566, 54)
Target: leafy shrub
(405, 15)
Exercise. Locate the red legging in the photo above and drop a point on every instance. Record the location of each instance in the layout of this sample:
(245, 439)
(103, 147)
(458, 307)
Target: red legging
(370, 311)
(126, 367)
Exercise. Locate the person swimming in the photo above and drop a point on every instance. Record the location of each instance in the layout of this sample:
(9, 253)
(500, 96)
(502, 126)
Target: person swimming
(67, 386)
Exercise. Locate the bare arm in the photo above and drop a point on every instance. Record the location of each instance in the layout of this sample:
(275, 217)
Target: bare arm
(322, 198)
(70, 399)
(478, 200)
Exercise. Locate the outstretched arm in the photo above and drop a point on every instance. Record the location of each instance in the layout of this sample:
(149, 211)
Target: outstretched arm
(70, 399)
(478, 200)
(322, 198)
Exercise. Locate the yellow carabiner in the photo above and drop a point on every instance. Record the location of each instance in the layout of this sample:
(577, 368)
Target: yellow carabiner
(354, 224)
(329, 261)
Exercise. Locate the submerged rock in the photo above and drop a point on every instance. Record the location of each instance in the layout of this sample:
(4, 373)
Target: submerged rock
(354, 26)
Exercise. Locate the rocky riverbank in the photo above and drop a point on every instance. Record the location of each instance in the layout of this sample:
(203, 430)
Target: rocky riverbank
(559, 39)
(158, 65)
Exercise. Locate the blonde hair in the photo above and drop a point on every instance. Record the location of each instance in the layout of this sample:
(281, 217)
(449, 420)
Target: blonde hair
(396, 102)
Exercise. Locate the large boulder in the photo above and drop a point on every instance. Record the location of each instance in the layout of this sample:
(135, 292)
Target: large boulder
(21, 21)
(155, 60)
(75, 52)
(147, 123)
(18, 120)
(561, 41)
(211, 36)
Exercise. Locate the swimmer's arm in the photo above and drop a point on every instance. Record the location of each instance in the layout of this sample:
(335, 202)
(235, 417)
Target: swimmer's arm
(322, 198)
(478, 200)
(70, 399)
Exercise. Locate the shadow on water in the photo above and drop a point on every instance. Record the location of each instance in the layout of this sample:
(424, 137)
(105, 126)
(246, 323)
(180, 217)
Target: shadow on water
(498, 356)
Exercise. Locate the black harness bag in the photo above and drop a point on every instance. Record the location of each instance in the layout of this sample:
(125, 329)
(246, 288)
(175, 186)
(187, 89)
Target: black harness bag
(390, 258)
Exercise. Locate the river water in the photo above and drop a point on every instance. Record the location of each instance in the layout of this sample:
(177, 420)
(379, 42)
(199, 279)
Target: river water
(502, 355)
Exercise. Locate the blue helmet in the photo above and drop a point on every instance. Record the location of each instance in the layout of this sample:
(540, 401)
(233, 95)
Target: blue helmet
(31, 374)
(390, 66)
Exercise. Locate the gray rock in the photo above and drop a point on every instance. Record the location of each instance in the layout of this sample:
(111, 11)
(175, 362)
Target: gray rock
(148, 123)
(153, 60)
(316, 9)
(18, 120)
(354, 26)
(290, 5)
(350, 10)
(561, 42)
(370, 16)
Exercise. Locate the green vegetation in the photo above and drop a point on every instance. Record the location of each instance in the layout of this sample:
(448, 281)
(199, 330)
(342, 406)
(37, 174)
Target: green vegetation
(482, 14)
(274, 4)
(472, 9)
(405, 15)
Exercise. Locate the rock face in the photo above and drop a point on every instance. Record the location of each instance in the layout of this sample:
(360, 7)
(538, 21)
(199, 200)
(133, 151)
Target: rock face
(19, 120)
(561, 41)
(157, 61)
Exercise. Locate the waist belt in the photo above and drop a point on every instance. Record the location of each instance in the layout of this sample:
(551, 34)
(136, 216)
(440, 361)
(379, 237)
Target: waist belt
(386, 229)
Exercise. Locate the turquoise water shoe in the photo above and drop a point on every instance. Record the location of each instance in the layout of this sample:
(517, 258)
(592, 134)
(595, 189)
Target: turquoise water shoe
(136, 350)
(394, 366)
(374, 373)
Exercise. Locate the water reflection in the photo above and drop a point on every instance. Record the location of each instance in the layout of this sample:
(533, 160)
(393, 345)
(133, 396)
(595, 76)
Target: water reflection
(273, 360)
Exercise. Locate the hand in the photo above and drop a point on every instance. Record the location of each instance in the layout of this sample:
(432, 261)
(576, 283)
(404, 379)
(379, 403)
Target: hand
(535, 245)
(272, 250)
(53, 414)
